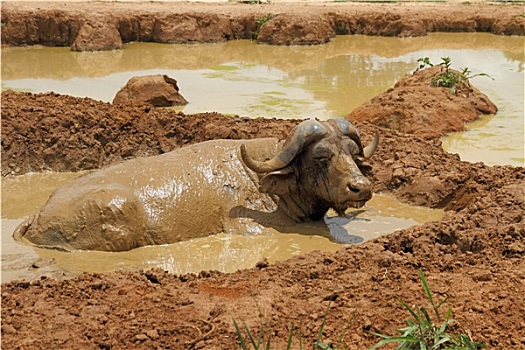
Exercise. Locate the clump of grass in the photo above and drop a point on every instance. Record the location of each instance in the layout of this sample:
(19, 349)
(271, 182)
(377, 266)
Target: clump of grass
(261, 21)
(260, 343)
(448, 77)
(422, 333)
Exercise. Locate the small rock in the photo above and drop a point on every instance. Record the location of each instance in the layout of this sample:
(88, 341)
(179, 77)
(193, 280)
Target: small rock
(141, 337)
(153, 334)
(261, 264)
(7, 328)
(154, 90)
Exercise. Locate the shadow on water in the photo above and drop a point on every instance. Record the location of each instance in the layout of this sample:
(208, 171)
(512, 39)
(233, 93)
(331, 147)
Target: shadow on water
(337, 230)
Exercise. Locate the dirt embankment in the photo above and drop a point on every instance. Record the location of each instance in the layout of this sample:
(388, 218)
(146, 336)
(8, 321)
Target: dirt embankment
(63, 133)
(414, 106)
(59, 23)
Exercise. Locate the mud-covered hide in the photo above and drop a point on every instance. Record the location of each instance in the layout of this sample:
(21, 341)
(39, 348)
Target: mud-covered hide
(184, 194)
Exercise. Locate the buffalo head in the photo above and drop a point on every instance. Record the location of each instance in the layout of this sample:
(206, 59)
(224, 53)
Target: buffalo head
(317, 169)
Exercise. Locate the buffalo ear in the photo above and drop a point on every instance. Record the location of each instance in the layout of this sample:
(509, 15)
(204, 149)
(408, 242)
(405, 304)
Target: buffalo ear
(278, 182)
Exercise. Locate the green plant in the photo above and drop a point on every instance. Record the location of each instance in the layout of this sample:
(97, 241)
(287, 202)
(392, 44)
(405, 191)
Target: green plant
(422, 333)
(323, 346)
(260, 22)
(259, 342)
(260, 338)
(448, 77)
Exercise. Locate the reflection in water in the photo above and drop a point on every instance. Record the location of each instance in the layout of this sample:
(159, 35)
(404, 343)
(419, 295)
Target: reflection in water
(223, 252)
(243, 78)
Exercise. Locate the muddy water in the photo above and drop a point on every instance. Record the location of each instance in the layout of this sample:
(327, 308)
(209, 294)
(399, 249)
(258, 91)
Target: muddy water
(241, 77)
(23, 195)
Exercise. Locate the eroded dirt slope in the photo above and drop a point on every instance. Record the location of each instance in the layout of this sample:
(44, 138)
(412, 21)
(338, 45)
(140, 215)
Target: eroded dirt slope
(59, 23)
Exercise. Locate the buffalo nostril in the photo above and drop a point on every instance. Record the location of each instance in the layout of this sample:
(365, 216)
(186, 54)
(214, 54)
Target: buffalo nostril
(362, 193)
(354, 189)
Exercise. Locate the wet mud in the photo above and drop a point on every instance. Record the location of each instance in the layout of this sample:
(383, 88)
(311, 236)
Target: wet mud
(474, 254)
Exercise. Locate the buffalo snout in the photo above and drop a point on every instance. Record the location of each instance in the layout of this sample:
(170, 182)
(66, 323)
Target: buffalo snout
(362, 189)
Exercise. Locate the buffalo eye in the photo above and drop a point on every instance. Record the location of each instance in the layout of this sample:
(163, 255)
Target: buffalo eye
(322, 155)
(364, 166)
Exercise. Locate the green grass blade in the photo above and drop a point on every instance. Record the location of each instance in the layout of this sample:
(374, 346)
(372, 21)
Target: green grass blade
(252, 340)
(290, 337)
(340, 341)
(443, 328)
(481, 75)
(268, 343)
(412, 312)
(395, 340)
(445, 339)
(425, 313)
(320, 334)
(443, 302)
(381, 335)
(424, 280)
(239, 335)
(425, 286)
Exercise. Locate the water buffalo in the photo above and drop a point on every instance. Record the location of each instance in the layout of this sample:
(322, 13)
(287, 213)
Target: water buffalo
(207, 188)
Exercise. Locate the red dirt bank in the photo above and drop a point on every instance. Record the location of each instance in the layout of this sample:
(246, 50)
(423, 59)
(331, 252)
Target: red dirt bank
(59, 23)
(475, 254)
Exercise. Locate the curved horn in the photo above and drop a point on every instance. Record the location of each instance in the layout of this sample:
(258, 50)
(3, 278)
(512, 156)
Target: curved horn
(371, 147)
(300, 136)
(349, 130)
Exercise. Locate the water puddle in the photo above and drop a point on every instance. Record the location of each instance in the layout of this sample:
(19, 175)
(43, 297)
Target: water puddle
(243, 78)
(24, 195)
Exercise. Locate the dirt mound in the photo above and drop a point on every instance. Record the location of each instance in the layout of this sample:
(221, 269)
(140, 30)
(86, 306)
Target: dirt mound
(62, 133)
(414, 106)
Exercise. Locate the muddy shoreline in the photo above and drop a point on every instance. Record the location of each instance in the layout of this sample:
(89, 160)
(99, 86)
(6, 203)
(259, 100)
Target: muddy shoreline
(59, 23)
(475, 254)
